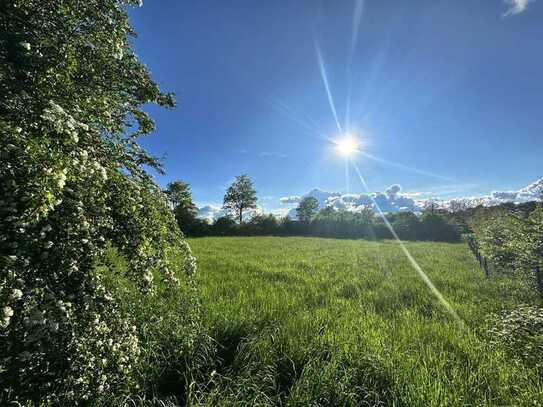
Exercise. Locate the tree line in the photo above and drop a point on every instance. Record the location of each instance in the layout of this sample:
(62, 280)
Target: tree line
(432, 225)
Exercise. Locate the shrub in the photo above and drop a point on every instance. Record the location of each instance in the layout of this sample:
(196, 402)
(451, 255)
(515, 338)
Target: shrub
(71, 185)
(496, 233)
(520, 332)
(511, 241)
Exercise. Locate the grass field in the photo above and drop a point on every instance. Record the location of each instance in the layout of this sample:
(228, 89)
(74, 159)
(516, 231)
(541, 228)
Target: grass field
(308, 321)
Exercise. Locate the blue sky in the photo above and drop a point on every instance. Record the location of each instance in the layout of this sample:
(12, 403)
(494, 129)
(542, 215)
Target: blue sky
(451, 88)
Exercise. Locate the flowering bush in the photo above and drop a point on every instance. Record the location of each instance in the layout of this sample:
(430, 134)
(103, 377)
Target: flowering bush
(496, 234)
(520, 331)
(71, 185)
(512, 240)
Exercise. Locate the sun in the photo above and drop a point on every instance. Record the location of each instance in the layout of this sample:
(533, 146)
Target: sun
(347, 145)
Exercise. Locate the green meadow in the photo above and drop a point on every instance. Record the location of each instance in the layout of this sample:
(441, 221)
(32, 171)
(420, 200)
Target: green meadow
(326, 322)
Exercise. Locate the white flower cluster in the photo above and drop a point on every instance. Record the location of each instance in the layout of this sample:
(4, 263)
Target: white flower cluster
(14, 295)
(25, 45)
(52, 228)
(520, 331)
(106, 353)
(118, 50)
(66, 200)
(7, 313)
(190, 260)
(63, 122)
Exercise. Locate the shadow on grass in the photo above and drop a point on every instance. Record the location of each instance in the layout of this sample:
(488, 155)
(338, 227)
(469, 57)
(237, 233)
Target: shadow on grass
(258, 362)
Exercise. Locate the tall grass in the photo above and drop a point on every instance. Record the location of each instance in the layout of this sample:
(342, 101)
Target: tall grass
(308, 321)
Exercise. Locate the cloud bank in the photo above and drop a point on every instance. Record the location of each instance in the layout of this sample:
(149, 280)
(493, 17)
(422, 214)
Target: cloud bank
(392, 200)
(532, 192)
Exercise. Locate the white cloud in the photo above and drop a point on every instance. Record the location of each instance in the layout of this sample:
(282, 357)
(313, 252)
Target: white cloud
(281, 212)
(213, 212)
(393, 190)
(321, 196)
(290, 199)
(516, 6)
(390, 201)
(504, 195)
(532, 192)
(210, 212)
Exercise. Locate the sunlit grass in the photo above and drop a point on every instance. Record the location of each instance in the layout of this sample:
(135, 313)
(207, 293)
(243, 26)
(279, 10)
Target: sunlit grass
(340, 322)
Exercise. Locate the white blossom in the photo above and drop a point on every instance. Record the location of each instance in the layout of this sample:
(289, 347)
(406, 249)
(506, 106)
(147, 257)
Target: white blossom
(16, 294)
(7, 312)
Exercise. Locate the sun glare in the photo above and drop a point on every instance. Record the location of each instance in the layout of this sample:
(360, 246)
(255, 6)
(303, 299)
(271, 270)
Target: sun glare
(347, 145)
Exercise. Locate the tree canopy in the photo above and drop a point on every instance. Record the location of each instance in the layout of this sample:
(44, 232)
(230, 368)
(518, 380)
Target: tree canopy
(178, 193)
(184, 209)
(307, 208)
(241, 195)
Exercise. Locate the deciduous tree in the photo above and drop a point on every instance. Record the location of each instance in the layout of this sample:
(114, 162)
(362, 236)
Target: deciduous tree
(241, 195)
(184, 209)
(307, 208)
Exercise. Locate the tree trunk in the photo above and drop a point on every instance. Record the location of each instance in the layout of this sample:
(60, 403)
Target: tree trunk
(240, 215)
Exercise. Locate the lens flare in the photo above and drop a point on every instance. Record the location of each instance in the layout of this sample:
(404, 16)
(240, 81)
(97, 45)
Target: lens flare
(324, 76)
(409, 256)
(347, 145)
